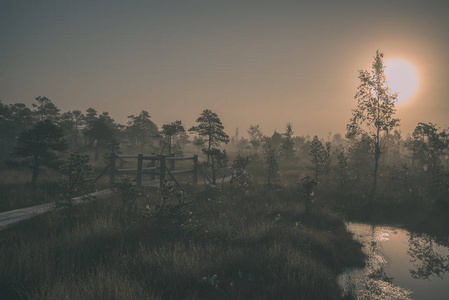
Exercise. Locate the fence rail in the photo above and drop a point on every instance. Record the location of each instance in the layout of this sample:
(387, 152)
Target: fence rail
(162, 170)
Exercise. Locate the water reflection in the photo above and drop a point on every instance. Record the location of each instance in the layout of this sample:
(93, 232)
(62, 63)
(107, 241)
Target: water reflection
(397, 263)
(427, 257)
(372, 282)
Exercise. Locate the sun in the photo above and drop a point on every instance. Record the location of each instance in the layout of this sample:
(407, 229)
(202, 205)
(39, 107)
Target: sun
(402, 78)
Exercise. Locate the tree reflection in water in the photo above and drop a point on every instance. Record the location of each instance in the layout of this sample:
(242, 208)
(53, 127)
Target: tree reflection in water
(371, 282)
(427, 257)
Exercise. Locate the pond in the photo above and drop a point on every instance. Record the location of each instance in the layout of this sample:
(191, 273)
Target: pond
(400, 265)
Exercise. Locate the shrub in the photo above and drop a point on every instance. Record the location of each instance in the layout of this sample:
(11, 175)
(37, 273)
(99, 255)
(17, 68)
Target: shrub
(173, 214)
(76, 179)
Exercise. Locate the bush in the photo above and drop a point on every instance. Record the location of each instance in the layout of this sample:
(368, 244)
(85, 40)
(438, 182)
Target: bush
(76, 179)
(173, 214)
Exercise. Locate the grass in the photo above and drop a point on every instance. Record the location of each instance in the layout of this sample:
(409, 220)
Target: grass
(256, 244)
(16, 191)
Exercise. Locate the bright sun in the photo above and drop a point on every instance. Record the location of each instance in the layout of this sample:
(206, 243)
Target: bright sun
(402, 78)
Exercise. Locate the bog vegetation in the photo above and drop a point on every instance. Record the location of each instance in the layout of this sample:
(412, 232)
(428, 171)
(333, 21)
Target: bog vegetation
(268, 232)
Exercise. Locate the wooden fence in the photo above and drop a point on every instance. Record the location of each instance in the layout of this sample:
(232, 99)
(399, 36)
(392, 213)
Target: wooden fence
(157, 167)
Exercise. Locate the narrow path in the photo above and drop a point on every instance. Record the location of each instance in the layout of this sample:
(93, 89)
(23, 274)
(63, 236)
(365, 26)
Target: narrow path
(9, 218)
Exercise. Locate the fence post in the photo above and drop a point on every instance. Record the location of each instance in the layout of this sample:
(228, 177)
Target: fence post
(139, 169)
(195, 169)
(162, 171)
(112, 171)
(153, 164)
(172, 163)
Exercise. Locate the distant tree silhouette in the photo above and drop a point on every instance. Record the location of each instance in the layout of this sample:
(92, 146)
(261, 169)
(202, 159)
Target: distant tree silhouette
(301, 146)
(428, 144)
(69, 123)
(255, 137)
(393, 143)
(341, 170)
(170, 131)
(318, 156)
(141, 131)
(210, 129)
(178, 143)
(373, 116)
(100, 131)
(14, 119)
(361, 163)
(90, 116)
(275, 141)
(287, 142)
(430, 147)
(198, 142)
(45, 109)
(79, 121)
(40, 144)
(271, 164)
(307, 190)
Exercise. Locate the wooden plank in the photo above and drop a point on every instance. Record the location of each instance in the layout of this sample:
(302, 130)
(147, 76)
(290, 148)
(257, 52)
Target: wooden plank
(205, 175)
(153, 164)
(126, 156)
(174, 179)
(182, 171)
(126, 170)
(102, 173)
(9, 218)
(179, 158)
(147, 169)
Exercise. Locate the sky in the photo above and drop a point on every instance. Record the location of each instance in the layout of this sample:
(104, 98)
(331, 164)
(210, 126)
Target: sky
(251, 62)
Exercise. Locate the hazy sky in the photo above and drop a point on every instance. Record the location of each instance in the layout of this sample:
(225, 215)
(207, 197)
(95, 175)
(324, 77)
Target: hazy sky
(251, 62)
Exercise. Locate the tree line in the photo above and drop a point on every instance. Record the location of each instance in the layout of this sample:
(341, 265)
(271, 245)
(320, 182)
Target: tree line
(416, 166)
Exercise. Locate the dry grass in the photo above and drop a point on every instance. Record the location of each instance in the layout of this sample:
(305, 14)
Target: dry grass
(16, 190)
(254, 245)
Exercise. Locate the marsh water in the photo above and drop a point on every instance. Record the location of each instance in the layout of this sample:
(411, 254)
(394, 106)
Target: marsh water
(400, 265)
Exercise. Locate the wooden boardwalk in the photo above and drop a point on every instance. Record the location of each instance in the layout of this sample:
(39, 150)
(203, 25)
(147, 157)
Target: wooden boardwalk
(9, 218)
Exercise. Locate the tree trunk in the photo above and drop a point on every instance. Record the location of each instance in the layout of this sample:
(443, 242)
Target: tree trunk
(169, 145)
(376, 168)
(208, 148)
(214, 175)
(210, 142)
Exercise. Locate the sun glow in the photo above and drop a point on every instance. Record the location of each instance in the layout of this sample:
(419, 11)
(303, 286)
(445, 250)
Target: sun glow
(402, 78)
